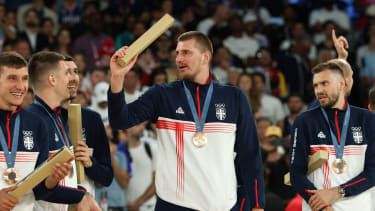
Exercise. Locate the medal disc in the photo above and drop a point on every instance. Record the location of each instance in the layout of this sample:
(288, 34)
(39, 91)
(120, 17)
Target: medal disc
(11, 176)
(339, 166)
(199, 139)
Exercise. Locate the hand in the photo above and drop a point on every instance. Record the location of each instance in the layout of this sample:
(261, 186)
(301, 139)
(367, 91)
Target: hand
(323, 198)
(341, 44)
(59, 172)
(87, 203)
(7, 202)
(328, 209)
(117, 72)
(257, 209)
(81, 153)
(132, 206)
(112, 148)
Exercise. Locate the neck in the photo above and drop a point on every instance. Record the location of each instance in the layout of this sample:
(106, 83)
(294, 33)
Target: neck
(130, 90)
(340, 104)
(7, 107)
(134, 142)
(65, 104)
(51, 99)
(202, 77)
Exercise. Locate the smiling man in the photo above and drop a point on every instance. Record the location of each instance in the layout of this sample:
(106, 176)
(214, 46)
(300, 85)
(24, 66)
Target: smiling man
(23, 134)
(50, 79)
(209, 155)
(347, 132)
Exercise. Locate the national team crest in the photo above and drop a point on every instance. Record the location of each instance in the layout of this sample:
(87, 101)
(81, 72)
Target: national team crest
(357, 135)
(28, 141)
(220, 111)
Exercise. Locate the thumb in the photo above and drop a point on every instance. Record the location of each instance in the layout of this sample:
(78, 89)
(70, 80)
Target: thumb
(8, 189)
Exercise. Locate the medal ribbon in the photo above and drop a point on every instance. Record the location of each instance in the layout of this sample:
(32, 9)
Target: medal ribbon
(11, 158)
(339, 148)
(57, 128)
(199, 124)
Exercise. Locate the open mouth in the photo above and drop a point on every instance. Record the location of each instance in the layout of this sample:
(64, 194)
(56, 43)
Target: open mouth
(182, 67)
(17, 94)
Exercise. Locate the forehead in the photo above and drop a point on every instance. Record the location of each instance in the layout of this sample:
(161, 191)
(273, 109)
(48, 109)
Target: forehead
(70, 64)
(186, 45)
(5, 70)
(325, 75)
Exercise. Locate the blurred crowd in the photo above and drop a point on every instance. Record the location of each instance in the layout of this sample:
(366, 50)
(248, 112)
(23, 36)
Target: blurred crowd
(265, 47)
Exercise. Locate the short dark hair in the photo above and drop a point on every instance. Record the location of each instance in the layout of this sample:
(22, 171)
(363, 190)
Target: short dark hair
(204, 42)
(41, 64)
(328, 66)
(261, 75)
(68, 58)
(12, 59)
(371, 98)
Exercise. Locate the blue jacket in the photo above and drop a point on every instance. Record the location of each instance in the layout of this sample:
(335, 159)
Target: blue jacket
(32, 144)
(167, 105)
(63, 195)
(311, 133)
(96, 139)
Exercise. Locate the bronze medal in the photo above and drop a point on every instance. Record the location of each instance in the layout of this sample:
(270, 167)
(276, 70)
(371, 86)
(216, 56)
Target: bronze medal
(199, 139)
(11, 176)
(339, 166)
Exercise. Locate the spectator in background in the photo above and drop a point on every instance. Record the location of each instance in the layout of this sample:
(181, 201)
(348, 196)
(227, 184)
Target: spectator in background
(81, 65)
(98, 74)
(46, 28)
(69, 11)
(89, 8)
(254, 9)
(99, 102)
(319, 16)
(11, 20)
(251, 28)
(126, 36)
(90, 42)
(82, 99)
(132, 85)
(245, 83)
(114, 194)
(238, 43)
(140, 193)
(219, 17)
(270, 106)
(28, 99)
(31, 33)
(146, 64)
(275, 80)
(367, 48)
(63, 41)
(41, 10)
(22, 47)
(324, 55)
(223, 63)
(295, 106)
(158, 76)
(6, 30)
(298, 30)
(262, 123)
(162, 51)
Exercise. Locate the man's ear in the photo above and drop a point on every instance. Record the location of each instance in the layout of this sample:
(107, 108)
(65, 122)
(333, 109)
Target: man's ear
(207, 57)
(51, 79)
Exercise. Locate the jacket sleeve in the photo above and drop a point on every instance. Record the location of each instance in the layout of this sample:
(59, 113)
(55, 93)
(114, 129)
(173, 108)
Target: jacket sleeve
(248, 161)
(366, 179)
(299, 153)
(123, 116)
(101, 170)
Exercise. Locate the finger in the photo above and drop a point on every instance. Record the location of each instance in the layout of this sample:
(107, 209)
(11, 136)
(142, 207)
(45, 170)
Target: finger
(10, 188)
(312, 191)
(334, 36)
(344, 42)
(83, 144)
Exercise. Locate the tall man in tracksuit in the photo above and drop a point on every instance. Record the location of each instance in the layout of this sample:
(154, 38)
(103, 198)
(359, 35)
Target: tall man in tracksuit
(348, 134)
(93, 150)
(24, 144)
(50, 78)
(208, 155)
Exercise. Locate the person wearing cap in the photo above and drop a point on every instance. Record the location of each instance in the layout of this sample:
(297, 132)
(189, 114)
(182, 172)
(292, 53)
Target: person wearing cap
(347, 133)
(99, 100)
